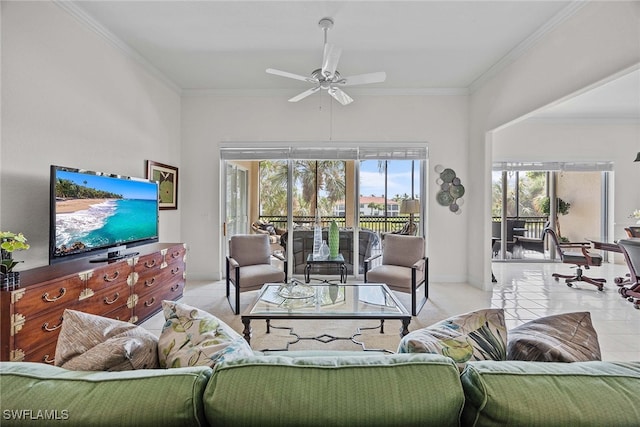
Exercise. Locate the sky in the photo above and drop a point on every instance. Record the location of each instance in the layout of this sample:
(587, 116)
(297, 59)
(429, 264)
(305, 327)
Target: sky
(399, 178)
(129, 189)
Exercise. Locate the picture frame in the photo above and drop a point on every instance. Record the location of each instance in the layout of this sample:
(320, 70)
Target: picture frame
(167, 178)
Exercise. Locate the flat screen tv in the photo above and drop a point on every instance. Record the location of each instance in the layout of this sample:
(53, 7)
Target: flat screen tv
(98, 215)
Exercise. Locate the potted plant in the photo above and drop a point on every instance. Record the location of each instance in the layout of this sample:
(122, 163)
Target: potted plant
(10, 242)
(562, 208)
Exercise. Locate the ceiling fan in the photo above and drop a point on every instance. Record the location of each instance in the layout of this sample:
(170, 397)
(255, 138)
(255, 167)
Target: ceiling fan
(327, 77)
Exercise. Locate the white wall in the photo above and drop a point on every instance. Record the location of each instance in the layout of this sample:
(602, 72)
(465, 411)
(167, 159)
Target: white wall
(207, 120)
(601, 39)
(71, 99)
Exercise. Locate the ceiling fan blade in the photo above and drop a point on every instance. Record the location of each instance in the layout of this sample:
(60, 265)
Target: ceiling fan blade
(291, 75)
(362, 79)
(304, 94)
(330, 59)
(340, 96)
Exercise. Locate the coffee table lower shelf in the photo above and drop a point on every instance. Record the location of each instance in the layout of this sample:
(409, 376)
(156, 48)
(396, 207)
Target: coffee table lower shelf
(324, 338)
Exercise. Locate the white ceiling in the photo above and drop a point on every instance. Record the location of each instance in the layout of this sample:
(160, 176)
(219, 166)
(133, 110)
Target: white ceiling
(421, 45)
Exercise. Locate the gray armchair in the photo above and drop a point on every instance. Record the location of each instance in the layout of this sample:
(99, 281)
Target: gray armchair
(404, 268)
(249, 266)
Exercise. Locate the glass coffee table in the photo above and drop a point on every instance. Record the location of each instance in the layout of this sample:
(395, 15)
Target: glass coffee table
(325, 301)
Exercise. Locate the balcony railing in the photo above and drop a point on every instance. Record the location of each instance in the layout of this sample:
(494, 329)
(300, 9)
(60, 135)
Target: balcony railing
(378, 224)
(533, 224)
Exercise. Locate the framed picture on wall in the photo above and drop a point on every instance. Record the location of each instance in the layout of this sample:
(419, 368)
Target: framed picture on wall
(167, 178)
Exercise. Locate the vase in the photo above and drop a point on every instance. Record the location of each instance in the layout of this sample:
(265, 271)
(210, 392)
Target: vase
(324, 251)
(317, 241)
(10, 281)
(334, 240)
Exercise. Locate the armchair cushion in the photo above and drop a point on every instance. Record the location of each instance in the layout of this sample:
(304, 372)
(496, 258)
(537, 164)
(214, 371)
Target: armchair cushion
(254, 276)
(478, 335)
(250, 249)
(567, 337)
(402, 250)
(394, 276)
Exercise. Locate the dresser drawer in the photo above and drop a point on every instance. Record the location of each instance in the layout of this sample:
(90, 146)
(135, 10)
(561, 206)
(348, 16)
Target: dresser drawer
(175, 254)
(105, 300)
(149, 304)
(151, 283)
(37, 331)
(40, 299)
(148, 263)
(43, 354)
(164, 279)
(109, 275)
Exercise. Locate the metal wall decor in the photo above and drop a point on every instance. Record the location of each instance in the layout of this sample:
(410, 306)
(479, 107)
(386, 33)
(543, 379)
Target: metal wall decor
(451, 189)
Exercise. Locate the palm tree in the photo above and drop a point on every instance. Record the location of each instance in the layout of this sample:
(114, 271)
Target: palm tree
(310, 177)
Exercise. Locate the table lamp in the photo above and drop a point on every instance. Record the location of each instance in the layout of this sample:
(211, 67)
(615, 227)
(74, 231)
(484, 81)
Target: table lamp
(410, 206)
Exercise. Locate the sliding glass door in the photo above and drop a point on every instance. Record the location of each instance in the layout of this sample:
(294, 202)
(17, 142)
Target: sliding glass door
(292, 187)
(236, 200)
(521, 206)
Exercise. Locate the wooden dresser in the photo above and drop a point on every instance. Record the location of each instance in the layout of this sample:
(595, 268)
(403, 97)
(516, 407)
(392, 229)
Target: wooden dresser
(130, 289)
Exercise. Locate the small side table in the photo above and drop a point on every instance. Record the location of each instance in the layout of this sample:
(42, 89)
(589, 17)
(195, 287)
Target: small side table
(337, 260)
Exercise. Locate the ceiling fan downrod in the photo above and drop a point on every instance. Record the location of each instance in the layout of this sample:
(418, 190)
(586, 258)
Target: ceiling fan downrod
(326, 24)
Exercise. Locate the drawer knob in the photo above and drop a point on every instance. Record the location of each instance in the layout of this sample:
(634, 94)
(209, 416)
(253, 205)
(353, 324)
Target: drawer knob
(175, 270)
(46, 359)
(150, 302)
(150, 264)
(150, 283)
(46, 298)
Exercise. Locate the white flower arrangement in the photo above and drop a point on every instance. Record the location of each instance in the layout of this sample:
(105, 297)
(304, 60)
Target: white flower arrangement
(636, 215)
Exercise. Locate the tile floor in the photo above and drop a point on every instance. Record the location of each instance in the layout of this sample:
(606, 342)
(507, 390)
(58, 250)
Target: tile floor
(525, 291)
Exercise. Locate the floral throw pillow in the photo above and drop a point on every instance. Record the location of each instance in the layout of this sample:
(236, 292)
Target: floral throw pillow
(478, 335)
(193, 337)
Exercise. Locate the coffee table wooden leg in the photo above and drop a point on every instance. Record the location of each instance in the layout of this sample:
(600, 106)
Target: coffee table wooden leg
(404, 330)
(247, 330)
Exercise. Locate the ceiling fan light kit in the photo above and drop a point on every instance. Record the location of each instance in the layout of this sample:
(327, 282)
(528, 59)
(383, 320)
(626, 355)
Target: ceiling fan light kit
(327, 77)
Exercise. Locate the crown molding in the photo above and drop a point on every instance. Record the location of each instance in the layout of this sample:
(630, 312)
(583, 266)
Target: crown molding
(358, 92)
(584, 120)
(524, 46)
(81, 16)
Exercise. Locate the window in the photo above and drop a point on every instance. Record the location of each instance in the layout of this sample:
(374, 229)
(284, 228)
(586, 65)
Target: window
(383, 186)
(318, 186)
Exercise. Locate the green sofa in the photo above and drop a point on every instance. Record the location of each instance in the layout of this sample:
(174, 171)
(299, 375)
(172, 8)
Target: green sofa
(327, 389)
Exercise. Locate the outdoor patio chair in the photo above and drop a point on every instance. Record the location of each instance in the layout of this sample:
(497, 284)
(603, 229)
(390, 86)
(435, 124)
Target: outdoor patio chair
(532, 243)
(404, 268)
(249, 266)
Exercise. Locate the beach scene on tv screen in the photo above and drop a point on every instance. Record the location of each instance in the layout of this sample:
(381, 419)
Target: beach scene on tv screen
(93, 211)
